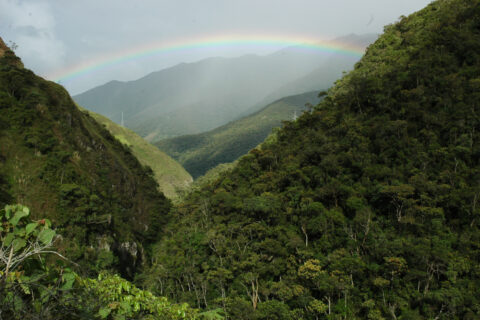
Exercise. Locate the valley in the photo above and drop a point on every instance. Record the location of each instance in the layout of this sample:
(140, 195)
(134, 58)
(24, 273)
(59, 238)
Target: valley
(201, 152)
(198, 97)
(291, 185)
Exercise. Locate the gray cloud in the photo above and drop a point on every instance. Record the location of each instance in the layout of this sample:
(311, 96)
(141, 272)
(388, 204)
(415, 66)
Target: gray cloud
(56, 34)
(31, 25)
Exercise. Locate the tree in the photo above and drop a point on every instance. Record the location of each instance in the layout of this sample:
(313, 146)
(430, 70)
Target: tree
(23, 273)
(22, 240)
(13, 46)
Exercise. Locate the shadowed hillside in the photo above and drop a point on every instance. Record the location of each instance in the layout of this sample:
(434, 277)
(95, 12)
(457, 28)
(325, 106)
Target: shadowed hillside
(170, 175)
(68, 168)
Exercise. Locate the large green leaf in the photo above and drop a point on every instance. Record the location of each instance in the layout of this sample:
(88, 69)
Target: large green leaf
(8, 239)
(8, 211)
(46, 236)
(19, 232)
(68, 279)
(18, 244)
(30, 227)
(19, 215)
(104, 312)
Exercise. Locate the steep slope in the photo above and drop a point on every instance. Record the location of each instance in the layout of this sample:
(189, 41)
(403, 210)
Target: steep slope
(365, 208)
(202, 152)
(169, 174)
(68, 168)
(196, 97)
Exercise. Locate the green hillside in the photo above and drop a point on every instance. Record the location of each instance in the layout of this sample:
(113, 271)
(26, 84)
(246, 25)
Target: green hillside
(170, 175)
(66, 167)
(202, 152)
(365, 208)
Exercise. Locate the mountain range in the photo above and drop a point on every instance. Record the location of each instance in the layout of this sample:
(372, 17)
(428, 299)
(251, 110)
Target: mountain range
(196, 97)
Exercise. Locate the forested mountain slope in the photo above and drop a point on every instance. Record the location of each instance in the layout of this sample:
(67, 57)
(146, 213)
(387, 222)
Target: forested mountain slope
(365, 208)
(171, 177)
(201, 152)
(68, 168)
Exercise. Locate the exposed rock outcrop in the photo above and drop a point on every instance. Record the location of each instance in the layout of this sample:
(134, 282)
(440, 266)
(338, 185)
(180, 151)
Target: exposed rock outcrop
(3, 48)
(6, 51)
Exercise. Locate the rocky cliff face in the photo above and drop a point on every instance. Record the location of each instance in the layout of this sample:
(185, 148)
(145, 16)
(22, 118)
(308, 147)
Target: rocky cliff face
(3, 48)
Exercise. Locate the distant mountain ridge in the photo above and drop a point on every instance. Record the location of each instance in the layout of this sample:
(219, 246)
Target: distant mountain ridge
(202, 152)
(322, 76)
(190, 98)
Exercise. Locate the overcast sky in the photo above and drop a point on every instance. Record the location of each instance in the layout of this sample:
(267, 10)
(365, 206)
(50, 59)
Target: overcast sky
(56, 35)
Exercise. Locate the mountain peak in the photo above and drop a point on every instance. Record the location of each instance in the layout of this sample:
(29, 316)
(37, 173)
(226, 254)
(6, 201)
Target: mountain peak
(6, 51)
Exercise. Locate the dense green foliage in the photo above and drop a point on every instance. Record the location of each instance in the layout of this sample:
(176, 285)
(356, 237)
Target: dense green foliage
(28, 288)
(116, 298)
(169, 174)
(202, 152)
(212, 175)
(61, 162)
(365, 208)
(33, 289)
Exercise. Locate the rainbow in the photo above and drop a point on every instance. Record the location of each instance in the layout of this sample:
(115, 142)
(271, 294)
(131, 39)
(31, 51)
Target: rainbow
(152, 49)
